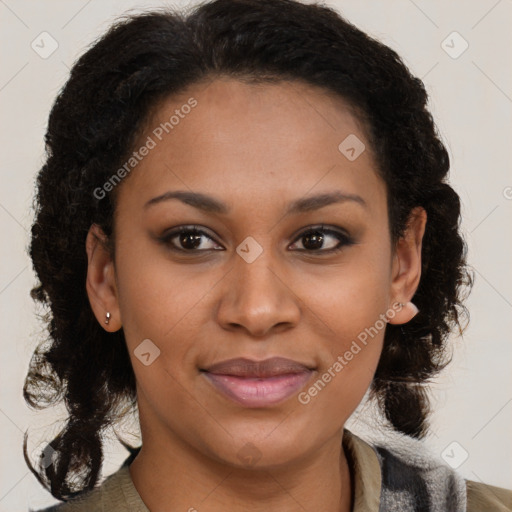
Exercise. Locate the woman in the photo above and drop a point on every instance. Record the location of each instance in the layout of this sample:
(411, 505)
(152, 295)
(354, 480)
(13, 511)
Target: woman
(243, 226)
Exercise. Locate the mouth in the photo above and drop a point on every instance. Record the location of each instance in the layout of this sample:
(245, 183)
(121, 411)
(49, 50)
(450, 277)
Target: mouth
(258, 383)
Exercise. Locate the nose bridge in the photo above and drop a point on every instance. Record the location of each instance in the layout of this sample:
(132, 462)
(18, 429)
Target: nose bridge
(258, 296)
(255, 270)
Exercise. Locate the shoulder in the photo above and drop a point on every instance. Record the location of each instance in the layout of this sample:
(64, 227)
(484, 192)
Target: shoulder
(414, 479)
(488, 497)
(93, 500)
(90, 501)
(413, 476)
(115, 494)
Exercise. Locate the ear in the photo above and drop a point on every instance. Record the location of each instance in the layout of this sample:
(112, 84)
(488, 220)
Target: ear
(406, 268)
(100, 283)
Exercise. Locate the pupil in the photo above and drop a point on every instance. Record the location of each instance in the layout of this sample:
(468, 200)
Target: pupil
(316, 239)
(194, 236)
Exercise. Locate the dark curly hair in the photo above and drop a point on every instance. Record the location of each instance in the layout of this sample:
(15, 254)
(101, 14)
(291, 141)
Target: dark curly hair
(98, 115)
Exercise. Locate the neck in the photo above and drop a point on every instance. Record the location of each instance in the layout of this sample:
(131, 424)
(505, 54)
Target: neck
(172, 475)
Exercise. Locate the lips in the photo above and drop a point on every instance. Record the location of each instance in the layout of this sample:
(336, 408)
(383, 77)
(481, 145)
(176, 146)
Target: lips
(272, 367)
(258, 383)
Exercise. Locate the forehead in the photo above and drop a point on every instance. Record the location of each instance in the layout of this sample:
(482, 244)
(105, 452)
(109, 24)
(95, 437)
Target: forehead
(284, 138)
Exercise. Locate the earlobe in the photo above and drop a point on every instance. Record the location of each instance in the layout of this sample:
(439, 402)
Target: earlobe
(100, 281)
(407, 268)
(401, 313)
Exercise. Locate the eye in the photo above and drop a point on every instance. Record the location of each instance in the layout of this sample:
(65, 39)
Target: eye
(188, 239)
(315, 239)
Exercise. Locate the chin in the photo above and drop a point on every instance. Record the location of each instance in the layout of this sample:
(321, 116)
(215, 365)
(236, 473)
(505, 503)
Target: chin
(269, 445)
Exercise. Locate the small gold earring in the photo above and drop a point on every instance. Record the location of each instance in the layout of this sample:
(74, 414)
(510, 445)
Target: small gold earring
(107, 317)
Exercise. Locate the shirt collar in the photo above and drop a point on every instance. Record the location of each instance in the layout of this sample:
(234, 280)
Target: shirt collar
(366, 473)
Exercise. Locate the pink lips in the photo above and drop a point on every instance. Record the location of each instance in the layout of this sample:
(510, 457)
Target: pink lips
(258, 383)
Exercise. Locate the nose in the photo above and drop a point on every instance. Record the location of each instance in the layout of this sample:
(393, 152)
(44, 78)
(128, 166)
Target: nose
(258, 297)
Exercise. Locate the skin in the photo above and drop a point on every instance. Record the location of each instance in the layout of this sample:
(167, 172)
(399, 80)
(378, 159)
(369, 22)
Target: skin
(256, 148)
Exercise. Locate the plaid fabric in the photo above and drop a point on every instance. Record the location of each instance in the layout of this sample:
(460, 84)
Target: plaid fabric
(415, 481)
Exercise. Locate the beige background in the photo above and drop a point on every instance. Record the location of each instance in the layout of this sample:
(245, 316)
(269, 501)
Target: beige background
(471, 102)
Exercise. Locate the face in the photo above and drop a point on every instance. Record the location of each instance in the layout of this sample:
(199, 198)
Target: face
(268, 272)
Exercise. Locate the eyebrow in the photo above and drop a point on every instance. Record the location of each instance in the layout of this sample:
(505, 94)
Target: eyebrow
(211, 205)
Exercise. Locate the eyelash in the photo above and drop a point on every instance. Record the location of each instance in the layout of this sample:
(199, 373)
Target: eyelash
(345, 240)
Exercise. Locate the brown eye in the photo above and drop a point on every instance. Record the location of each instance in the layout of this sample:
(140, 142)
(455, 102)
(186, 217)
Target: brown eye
(187, 239)
(317, 238)
(314, 240)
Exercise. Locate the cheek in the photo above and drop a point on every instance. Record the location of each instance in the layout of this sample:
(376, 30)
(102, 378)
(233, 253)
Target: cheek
(163, 303)
(349, 319)
(349, 359)
(157, 296)
(349, 298)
